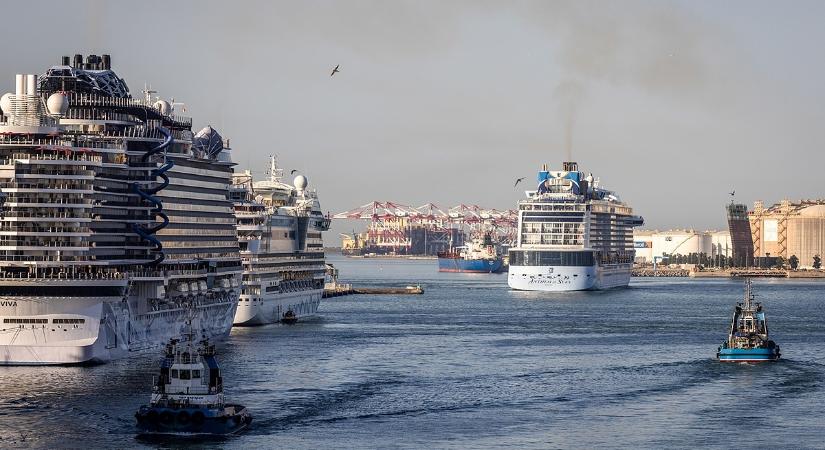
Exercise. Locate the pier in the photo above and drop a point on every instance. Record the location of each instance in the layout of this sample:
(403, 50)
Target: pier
(728, 273)
(338, 290)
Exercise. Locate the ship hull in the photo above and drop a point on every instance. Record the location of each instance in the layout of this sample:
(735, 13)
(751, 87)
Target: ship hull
(568, 278)
(270, 309)
(461, 265)
(104, 329)
(748, 354)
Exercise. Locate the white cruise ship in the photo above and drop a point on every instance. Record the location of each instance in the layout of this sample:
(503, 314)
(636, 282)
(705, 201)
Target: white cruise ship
(573, 235)
(115, 220)
(279, 230)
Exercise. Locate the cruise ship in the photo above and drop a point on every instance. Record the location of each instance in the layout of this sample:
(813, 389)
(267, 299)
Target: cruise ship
(116, 220)
(279, 230)
(573, 235)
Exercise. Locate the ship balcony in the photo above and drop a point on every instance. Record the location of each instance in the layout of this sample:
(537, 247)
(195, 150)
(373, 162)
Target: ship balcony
(54, 175)
(56, 160)
(62, 247)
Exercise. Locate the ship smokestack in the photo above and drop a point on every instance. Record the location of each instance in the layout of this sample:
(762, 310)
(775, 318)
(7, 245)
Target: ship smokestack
(19, 84)
(31, 84)
(107, 62)
(78, 61)
(65, 61)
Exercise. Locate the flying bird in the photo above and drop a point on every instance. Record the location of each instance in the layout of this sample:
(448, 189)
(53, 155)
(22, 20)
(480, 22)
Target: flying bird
(293, 171)
(519, 181)
(732, 193)
(335, 70)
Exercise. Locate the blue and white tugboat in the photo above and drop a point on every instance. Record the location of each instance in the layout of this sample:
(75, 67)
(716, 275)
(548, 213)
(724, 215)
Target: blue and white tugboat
(748, 337)
(187, 397)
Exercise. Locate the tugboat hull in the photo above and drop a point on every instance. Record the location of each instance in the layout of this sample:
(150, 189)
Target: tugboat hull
(193, 421)
(748, 354)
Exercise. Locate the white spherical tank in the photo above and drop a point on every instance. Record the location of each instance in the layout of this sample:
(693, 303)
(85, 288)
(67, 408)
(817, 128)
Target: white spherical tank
(57, 104)
(300, 182)
(5, 103)
(164, 107)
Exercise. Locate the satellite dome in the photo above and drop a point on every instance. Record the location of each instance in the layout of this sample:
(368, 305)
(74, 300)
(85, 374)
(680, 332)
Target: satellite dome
(300, 182)
(57, 104)
(164, 107)
(5, 103)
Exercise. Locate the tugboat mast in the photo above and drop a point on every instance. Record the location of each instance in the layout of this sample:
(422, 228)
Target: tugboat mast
(748, 294)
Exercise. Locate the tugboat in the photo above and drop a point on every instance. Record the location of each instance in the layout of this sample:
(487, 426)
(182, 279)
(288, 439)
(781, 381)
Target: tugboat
(187, 397)
(289, 317)
(748, 337)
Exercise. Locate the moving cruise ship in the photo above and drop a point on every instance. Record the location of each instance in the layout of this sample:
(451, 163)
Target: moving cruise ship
(115, 220)
(573, 235)
(279, 229)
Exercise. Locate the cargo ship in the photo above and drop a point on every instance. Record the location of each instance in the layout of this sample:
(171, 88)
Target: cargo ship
(573, 234)
(480, 255)
(115, 221)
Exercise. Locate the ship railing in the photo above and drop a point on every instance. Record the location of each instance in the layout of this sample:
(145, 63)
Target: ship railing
(62, 275)
(55, 156)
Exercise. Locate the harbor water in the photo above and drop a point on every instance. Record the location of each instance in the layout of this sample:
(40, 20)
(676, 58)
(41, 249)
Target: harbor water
(473, 364)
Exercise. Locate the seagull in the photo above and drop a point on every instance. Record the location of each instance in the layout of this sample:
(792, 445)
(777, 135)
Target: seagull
(335, 70)
(732, 193)
(519, 181)
(293, 171)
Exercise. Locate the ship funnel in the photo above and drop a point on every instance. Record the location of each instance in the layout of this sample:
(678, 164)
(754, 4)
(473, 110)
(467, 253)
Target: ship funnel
(65, 60)
(107, 62)
(19, 84)
(78, 61)
(31, 84)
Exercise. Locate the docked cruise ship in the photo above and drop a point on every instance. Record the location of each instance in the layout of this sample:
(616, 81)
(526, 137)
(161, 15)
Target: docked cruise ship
(573, 235)
(116, 220)
(279, 230)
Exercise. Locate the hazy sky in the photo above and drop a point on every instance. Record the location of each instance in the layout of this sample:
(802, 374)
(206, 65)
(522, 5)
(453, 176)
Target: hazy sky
(672, 104)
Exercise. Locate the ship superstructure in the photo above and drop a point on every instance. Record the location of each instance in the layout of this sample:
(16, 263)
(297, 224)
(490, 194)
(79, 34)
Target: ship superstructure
(279, 230)
(115, 220)
(573, 235)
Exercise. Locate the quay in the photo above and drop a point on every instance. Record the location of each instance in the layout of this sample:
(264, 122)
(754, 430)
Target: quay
(728, 273)
(338, 290)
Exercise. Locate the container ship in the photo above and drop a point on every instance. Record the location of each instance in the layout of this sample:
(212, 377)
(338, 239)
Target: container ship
(572, 235)
(279, 229)
(116, 220)
(480, 255)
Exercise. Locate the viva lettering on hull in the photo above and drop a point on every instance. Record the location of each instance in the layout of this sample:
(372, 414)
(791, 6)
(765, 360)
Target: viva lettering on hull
(573, 235)
(116, 219)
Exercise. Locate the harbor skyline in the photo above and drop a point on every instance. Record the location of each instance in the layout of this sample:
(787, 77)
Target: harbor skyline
(687, 100)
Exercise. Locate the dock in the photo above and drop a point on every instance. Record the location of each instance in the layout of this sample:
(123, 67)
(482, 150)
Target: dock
(729, 273)
(338, 290)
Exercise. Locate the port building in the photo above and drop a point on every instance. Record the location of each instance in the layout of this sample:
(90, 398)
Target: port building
(740, 234)
(789, 229)
(650, 244)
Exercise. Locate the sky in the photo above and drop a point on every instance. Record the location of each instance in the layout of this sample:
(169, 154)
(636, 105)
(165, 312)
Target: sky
(673, 104)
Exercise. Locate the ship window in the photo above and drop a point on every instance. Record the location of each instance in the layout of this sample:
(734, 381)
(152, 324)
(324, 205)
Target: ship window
(185, 374)
(196, 374)
(551, 258)
(174, 373)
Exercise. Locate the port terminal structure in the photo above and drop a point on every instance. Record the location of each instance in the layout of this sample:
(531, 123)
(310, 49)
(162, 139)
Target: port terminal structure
(398, 229)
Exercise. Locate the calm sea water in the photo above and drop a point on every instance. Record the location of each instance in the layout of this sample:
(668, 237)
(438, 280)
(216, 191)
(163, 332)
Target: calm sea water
(472, 364)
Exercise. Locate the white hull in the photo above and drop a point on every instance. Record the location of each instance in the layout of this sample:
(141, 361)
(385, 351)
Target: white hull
(108, 329)
(270, 309)
(568, 278)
